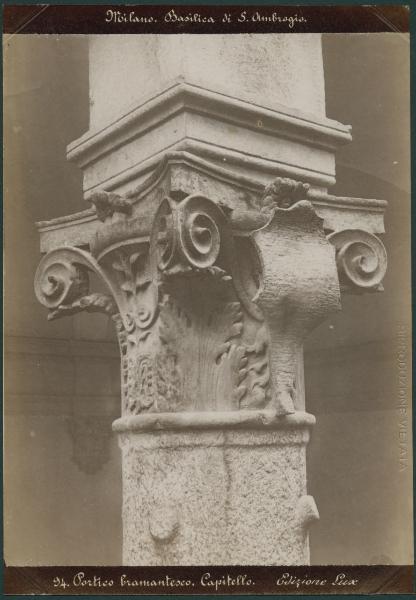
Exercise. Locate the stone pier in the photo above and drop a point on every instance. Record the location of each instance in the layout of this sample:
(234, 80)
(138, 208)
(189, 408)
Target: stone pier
(209, 222)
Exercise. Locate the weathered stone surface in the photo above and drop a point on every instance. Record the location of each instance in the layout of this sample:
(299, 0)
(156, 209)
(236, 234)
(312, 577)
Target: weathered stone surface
(215, 497)
(181, 173)
(300, 286)
(286, 68)
(255, 102)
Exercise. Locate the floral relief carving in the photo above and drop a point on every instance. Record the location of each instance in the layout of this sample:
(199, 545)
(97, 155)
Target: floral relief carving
(136, 283)
(257, 372)
(153, 383)
(124, 359)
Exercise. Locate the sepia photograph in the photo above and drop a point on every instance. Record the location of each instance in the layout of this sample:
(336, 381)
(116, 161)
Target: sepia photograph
(207, 301)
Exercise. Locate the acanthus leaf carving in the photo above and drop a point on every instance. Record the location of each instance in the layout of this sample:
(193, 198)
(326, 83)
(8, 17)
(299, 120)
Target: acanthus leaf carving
(257, 372)
(62, 284)
(207, 351)
(96, 302)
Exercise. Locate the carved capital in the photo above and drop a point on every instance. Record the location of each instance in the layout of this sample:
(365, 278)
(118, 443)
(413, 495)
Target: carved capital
(276, 264)
(213, 305)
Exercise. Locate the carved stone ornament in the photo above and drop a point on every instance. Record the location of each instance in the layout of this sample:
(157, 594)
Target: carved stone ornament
(211, 313)
(361, 259)
(212, 296)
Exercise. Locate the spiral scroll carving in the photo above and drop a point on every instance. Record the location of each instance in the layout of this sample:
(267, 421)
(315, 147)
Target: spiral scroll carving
(200, 237)
(196, 236)
(61, 283)
(187, 234)
(361, 258)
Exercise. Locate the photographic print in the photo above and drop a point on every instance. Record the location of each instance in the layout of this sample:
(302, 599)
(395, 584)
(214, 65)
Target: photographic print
(207, 300)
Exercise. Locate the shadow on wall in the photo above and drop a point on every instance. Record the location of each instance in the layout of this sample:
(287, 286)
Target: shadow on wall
(362, 487)
(62, 472)
(62, 386)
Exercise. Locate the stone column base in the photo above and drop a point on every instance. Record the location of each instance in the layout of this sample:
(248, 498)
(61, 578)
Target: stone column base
(211, 496)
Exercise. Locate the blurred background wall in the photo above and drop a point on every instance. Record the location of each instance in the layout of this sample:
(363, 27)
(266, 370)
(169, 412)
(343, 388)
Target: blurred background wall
(62, 471)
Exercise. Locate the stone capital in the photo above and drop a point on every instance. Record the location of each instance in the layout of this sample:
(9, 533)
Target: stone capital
(219, 289)
(213, 288)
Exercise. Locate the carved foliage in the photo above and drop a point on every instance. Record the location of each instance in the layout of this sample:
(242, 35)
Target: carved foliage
(153, 383)
(205, 364)
(282, 192)
(96, 302)
(124, 359)
(257, 376)
(200, 345)
(135, 282)
(62, 285)
(108, 203)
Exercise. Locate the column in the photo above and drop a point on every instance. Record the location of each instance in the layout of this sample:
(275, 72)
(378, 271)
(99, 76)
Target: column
(206, 168)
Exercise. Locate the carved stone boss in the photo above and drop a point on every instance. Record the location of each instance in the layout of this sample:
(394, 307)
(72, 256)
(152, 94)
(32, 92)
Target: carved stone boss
(212, 297)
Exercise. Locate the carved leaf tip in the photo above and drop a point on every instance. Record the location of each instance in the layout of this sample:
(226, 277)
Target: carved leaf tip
(283, 193)
(90, 303)
(108, 203)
